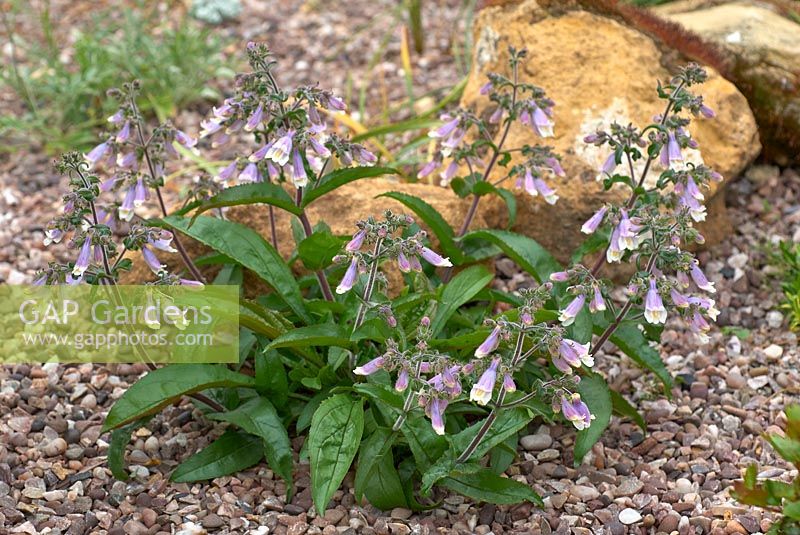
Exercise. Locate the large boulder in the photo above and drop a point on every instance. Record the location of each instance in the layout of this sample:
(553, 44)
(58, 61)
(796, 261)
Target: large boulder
(340, 209)
(597, 71)
(764, 55)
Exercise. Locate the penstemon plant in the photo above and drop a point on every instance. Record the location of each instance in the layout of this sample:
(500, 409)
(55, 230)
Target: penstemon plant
(417, 385)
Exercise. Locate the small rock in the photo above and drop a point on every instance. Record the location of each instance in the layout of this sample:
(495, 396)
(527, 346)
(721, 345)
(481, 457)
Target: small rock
(628, 487)
(548, 455)
(213, 521)
(773, 351)
(758, 382)
(629, 516)
(584, 493)
(138, 457)
(55, 447)
(401, 513)
(536, 442)
(774, 319)
(735, 381)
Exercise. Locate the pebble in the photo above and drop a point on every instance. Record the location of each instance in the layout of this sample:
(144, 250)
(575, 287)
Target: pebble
(735, 380)
(629, 516)
(537, 442)
(773, 351)
(628, 487)
(55, 447)
(584, 493)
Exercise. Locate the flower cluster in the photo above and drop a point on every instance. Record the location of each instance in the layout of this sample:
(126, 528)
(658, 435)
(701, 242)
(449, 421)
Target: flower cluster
(97, 212)
(466, 141)
(293, 143)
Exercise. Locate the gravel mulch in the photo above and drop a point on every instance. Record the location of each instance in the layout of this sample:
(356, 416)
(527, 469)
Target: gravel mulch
(676, 478)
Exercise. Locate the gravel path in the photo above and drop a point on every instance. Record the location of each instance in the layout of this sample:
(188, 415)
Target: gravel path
(676, 478)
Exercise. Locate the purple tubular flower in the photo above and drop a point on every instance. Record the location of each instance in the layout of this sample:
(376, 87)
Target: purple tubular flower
(126, 209)
(508, 383)
(529, 184)
(490, 344)
(259, 155)
(614, 252)
(402, 380)
(674, 155)
(597, 304)
(220, 140)
(693, 190)
(413, 260)
(497, 116)
(575, 354)
(280, 149)
(209, 126)
(559, 276)
(226, 173)
(434, 258)
(683, 279)
(542, 123)
(594, 222)
(124, 133)
(53, 235)
(297, 171)
(526, 318)
(127, 160)
(485, 88)
(576, 411)
(700, 279)
(561, 364)
(403, 263)
(185, 139)
(448, 376)
(370, 367)
(654, 311)
(97, 153)
(445, 130)
(335, 103)
(163, 242)
(152, 260)
(84, 258)
(255, 118)
(141, 193)
(350, 277)
(249, 174)
(358, 240)
(117, 118)
(481, 392)
(191, 283)
(365, 157)
(678, 299)
(549, 195)
(568, 315)
(555, 166)
(628, 238)
(707, 112)
(608, 166)
(437, 407)
(319, 148)
(428, 168)
(449, 171)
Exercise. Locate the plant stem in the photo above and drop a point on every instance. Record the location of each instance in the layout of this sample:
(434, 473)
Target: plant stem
(498, 406)
(324, 286)
(598, 265)
(362, 309)
(151, 168)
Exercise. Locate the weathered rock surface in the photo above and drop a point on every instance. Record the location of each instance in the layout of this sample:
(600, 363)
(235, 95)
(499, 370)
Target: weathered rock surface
(340, 209)
(764, 48)
(572, 56)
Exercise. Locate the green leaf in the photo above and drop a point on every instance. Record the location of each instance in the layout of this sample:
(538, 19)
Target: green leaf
(502, 455)
(324, 334)
(426, 446)
(230, 453)
(317, 251)
(260, 193)
(376, 475)
(259, 417)
(526, 252)
(486, 486)
(632, 342)
(623, 408)
(595, 393)
(383, 393)
(340, 177)
(458, 291)
(413, 125)
(383, 488)
(786, 447)
(433, 219)
(249, 249)
(332, 444)
(271, 379)
(165, 385)
(116, 450)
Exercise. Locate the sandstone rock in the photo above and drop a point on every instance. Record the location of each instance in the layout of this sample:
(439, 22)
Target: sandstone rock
(569, 57)
(340, 209)
(764, 49)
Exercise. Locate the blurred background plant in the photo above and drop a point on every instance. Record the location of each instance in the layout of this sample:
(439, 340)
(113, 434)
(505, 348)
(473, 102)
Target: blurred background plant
(62, 94)
(786, 259)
